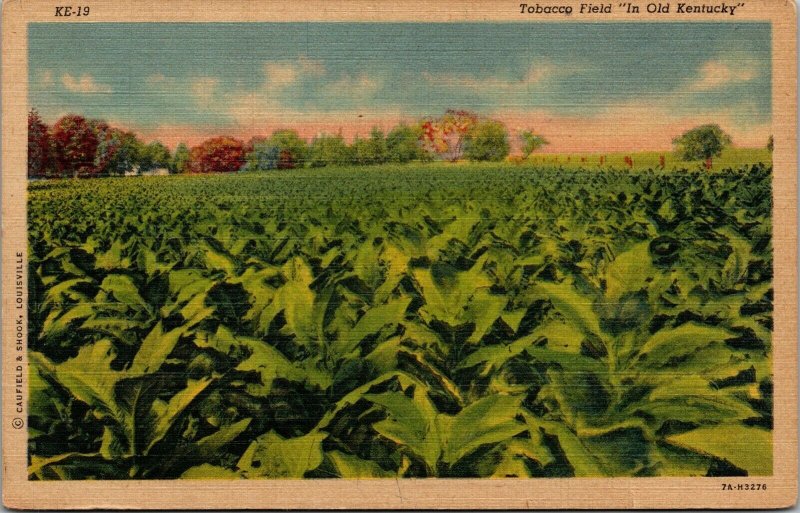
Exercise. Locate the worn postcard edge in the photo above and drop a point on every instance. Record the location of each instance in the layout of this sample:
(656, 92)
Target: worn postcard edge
(19, 493)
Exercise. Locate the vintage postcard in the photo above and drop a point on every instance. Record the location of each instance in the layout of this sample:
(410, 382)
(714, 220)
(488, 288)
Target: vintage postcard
(399, 255)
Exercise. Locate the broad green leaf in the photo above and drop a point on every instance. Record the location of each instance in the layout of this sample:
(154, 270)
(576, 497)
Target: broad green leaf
(154, 350)
(487, 421)
(432, 374)
(218, 259)
(668, 345)
(629, 272)
(384, 356)
(749, 448)
(149, 261)
(700, 408)
(113, 446)
(484, 308)
(88, 376)
(123, 329)
(64, 289)
(583, 462)
(209, 446)
(38, 463)
(167, 412)
(124, 290)
(494, 356)
(296, 300)
(396, 266)
(514, 454)
(255, 282)
(186, 283)
(196, 311)
(42, 399)
(58, 322)
(570, 362)
(621, 449)
(405, 380)
(264, 359)
(735, 268)
(370, 323)
(562, 336)
(574, 306)
(113, 259)
(447, 290)
(673, 461)
(350, 466)
(411, 423)
(514, 318)
(272, 456)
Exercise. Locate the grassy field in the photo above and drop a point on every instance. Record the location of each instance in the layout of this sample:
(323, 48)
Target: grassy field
(420, 321)
(731, 158)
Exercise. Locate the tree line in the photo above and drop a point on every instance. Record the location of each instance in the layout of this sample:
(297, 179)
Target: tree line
(75, 146)
(78, 147)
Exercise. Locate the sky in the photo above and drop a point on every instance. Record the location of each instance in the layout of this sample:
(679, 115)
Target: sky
(586, 87)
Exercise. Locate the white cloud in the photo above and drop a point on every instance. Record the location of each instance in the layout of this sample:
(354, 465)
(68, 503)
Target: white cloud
(85, 84)
(283, 74)
(203, 89)
(537, 73)
(311, 66)
(156, 79)
(717, 73)
(356, 87)
(247, 108)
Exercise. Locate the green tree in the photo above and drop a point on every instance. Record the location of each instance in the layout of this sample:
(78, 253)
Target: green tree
(180, 161)
(126, 149)
(292, 150)
(359, 151)
(403, 144)
(261, 155)
(378, 146)
(329, 150)
(703, 142)
(373, 150)
(771, 143)
(487, 141)
(40, 149)
(531, 142)
(154, 156)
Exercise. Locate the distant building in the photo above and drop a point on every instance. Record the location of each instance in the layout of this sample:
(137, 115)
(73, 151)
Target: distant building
(161, 171)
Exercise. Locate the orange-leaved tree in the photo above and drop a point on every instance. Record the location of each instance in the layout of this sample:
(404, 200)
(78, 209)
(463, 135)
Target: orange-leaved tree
(445, 135)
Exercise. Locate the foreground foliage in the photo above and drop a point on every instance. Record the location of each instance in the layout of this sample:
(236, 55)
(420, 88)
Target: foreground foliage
(452, 322)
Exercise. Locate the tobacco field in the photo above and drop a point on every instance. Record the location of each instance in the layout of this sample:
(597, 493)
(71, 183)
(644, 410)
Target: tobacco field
(417, 321)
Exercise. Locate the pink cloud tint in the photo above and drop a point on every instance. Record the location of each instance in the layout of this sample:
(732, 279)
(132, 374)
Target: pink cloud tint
(629, 128)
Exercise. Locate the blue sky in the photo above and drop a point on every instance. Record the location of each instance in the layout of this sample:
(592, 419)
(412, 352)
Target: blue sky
(184, 81)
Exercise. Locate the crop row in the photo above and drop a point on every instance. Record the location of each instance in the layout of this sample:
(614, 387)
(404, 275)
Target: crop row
(408, 322)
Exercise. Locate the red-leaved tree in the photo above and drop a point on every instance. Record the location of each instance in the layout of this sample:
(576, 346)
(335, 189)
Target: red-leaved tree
(217, 155)
(40, 152)
(75, 142)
